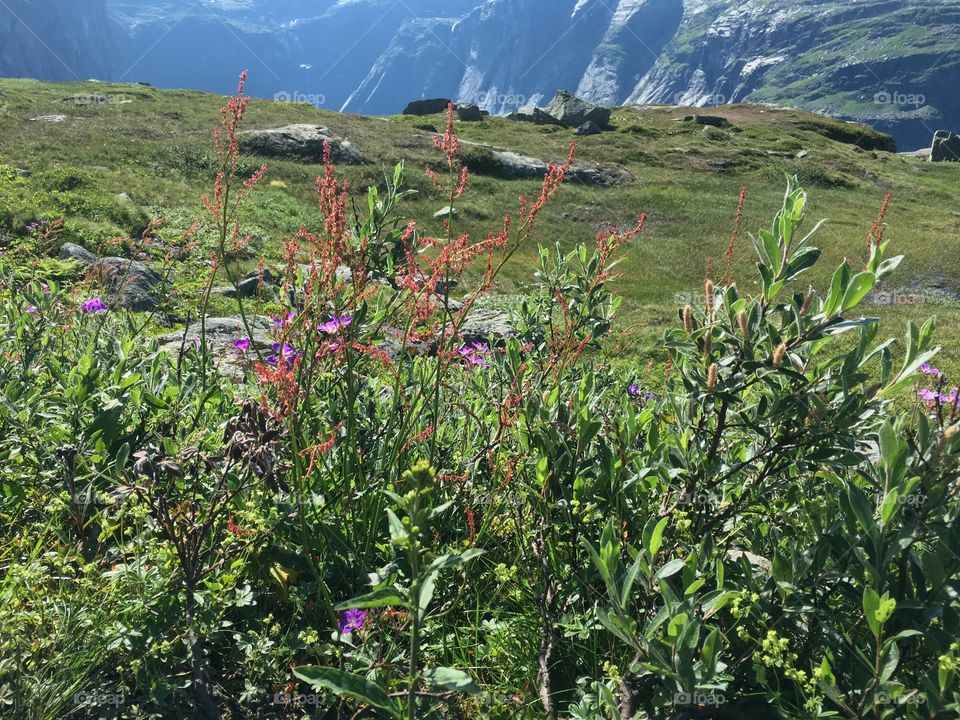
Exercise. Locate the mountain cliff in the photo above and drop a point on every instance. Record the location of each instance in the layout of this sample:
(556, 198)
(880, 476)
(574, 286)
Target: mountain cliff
(56, 40)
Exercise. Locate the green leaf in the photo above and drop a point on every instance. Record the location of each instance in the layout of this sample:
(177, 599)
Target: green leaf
(450, 679)
(349, 685)
(871, 602)
(378, 598)
(857, 290)
(671, 568)
(398, 533)
(656, 538)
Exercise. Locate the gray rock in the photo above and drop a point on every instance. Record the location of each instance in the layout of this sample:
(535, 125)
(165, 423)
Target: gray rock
(253, 283)
(426, 127)
(802, 154)
(23, 173)
(300, 142)
(589, 128)
(445, 212)
(534, 115)
(220, 334)
(711, 120)
(469, 113)
(946, 147)
(486, 326)
(50, 119)
(72, 251)
(513, 166)
(427, 107)
(574, 112)
(132, 284)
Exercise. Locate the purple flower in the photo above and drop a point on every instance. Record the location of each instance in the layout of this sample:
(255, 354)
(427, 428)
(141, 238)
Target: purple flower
(473, 354)
(243, 344)
(280, 322)
(928, 369)
(352, 620)
(637, 393)
(335, 324)
(32, 309)
(94, 305)
(634, 390)
(284, 355)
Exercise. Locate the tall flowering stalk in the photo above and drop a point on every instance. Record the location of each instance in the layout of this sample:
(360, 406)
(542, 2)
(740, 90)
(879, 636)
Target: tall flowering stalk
(229, 192)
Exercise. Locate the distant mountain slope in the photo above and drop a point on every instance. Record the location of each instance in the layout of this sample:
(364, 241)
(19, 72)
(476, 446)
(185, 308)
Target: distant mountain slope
(56, 40)
(891, 63)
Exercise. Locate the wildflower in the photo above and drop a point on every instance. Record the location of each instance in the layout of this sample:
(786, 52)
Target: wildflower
(335, 325)
(352, 620)
(32, 309)
(280, 322)
(928, 369)
(243, 344)
(473, 354)
(633, 390)
(284, 355)
(94, 305)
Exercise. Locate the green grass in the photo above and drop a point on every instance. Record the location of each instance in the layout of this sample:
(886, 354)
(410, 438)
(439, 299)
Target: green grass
(155, 146)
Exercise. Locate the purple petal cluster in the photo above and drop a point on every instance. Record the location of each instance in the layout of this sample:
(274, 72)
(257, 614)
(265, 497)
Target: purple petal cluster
(335, 324)
(352, 620)
(474, 353)
(284, 355)
(94, 305)
(243, 344)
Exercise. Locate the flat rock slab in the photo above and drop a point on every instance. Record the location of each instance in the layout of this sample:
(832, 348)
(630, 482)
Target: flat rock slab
(427, 107)
(220, 334)
(300, 142)
(513, 166)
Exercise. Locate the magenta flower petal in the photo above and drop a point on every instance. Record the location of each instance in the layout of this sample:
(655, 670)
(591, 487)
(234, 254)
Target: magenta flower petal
(94, 305)
(352, 620)
(243, 344)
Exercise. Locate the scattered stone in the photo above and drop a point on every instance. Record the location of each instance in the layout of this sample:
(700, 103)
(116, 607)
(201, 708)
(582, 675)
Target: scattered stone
(573, 111)
(924, 153)
(513, 166)
(123, 198)
(220, 334)
(427, 107)
(21, 173)
(779, 153)
(144, 84)
(300, 142)
(469, 113)
(131, 283)
(946, 147)
(711, 120)
(802, 154)
(534, 115)
(487, 325)
(253, 283)
(427, 127)
(446, 212)
(82, 99)
(589, 128)
(72, 251)
(50, 119)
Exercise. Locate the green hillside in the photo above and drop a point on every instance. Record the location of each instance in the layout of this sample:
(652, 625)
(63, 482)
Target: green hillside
(156, 147)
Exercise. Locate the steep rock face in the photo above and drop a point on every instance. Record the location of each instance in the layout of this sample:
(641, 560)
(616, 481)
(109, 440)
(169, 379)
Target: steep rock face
(883, 62)
(55, 40)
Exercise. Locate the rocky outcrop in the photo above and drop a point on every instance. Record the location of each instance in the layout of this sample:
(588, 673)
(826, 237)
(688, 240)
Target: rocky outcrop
(130, 284)
(485, 160)
(220, 334)
(72, 251)
(427, 107)
(300, 142)
(573, 111)
(946, 147)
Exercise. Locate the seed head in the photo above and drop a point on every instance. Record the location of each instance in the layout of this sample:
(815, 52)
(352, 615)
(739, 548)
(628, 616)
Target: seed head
(688, 319)
(712, 376)
(778, 354)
